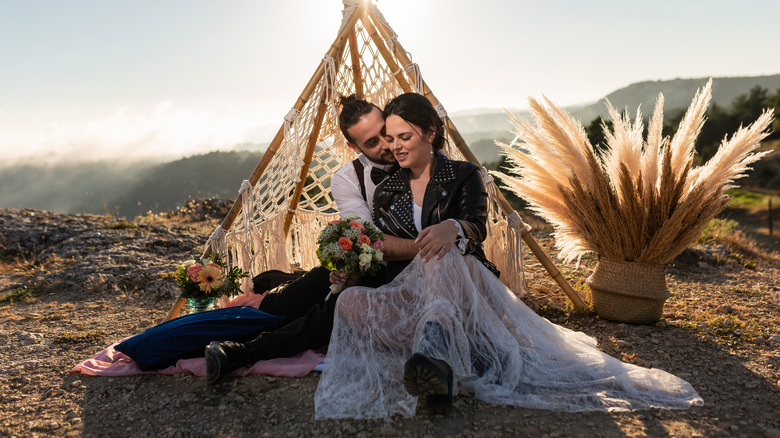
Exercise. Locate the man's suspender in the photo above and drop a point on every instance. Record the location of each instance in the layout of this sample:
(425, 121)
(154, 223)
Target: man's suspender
(360, 176)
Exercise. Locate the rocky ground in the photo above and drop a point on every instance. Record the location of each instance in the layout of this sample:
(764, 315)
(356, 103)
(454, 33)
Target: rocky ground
(71, 285)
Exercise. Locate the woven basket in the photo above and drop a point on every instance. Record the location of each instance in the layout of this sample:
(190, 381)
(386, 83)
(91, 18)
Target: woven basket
(628, 291)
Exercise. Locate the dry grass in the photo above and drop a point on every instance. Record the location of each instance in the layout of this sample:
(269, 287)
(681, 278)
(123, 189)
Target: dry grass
(643, 201)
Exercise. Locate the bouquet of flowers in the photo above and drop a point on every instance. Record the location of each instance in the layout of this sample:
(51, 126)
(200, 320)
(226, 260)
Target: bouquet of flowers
(208, 278)
(352, 245)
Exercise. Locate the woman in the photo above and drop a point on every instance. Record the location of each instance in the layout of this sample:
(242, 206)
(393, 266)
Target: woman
(446, 322)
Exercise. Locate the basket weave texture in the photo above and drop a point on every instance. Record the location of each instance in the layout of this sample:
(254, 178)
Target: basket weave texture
(628, 291)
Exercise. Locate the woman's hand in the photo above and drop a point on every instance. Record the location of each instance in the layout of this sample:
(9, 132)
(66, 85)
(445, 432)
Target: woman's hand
(437, 240)
(338, 277)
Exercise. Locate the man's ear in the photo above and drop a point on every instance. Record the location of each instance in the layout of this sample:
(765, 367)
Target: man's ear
(354, 147)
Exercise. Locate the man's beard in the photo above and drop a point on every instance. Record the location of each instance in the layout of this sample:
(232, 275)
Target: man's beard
(388, 158)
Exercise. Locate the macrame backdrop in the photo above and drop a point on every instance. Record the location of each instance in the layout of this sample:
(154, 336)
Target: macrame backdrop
(286, 202)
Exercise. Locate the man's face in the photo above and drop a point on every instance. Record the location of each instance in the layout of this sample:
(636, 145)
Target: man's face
(369, 136)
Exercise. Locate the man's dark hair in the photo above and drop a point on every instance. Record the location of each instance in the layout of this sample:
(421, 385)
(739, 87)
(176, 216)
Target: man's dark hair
(417, 110)
(352, 110)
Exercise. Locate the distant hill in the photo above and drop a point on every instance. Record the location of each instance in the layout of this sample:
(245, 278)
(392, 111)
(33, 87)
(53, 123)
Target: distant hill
(489, 125)
(678, 94)
(87, 187)
(134, 189)
(125, 190)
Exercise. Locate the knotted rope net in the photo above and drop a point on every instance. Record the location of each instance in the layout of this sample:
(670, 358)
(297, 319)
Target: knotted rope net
(368, 65)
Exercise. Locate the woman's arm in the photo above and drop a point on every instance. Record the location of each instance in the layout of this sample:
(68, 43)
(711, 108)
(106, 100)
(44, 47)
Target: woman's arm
(471, 208)
(468, 208)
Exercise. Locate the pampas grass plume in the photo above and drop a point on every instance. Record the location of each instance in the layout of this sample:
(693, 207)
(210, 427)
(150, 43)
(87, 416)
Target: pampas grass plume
(643, 202)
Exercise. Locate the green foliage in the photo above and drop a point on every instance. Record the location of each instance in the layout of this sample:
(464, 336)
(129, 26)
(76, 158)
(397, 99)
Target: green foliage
(744, 109)
(721, 121)
(717, 228)
(121, 225)
(25, 294)
(595, 133)
(90, 336)
(732, 330)
(227, 285)
(352, 245)
(746, 199)
(502, 165)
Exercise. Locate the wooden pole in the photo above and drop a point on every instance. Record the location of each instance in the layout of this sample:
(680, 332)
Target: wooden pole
(337, 46)
(770, 215)
(315, 133)
(312, 143)
(276, 143)
(175, 309)
(386, 55)
(460, 143)
(357, 78)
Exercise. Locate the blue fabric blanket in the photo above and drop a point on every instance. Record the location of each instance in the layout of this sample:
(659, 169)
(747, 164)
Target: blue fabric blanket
(187, 336)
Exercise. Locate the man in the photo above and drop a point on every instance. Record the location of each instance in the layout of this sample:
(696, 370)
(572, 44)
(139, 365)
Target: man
(303, 300)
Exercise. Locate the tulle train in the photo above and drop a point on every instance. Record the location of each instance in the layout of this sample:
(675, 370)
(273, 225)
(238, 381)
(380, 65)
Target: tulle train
(499, 349)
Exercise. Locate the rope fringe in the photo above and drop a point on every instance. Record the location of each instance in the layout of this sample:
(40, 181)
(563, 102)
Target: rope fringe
(257, 241)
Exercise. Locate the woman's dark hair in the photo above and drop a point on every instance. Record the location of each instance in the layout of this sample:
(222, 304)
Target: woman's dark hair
(417, 110)
(352, 110)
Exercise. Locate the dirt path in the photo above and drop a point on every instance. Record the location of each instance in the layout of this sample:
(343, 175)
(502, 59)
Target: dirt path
(95, 280)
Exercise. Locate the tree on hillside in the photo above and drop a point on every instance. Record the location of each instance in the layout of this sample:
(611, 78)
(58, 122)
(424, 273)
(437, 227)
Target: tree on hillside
(773, 101)
(595, 133)
(721, 120)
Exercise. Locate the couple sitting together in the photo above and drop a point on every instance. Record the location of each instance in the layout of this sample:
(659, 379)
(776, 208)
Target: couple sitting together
(436, 319)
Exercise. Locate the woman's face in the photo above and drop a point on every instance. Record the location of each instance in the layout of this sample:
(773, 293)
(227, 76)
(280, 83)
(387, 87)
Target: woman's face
(409, 144)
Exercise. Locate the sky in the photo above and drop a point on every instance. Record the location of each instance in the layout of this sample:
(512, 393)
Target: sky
(163, 79)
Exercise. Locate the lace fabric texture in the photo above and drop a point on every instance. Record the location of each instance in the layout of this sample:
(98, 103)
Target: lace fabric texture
(499, 349)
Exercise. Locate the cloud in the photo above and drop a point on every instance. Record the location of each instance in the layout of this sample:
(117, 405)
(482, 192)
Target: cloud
(165, 132)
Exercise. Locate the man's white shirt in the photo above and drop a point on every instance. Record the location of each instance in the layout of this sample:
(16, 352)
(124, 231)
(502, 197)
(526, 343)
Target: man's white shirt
(345, 188)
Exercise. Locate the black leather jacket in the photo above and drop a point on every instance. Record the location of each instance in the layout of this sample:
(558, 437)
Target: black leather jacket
(455, 191)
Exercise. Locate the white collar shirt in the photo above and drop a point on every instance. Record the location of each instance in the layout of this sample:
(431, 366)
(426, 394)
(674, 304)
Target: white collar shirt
(345, 188)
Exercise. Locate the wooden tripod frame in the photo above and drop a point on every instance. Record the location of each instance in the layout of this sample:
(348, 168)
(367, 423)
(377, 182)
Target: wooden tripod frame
(379, 34)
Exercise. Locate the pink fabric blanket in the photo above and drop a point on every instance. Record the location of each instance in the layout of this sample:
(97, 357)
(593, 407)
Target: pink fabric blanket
(112, 363)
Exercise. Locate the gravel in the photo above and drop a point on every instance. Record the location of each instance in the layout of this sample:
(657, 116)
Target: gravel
(71, 285)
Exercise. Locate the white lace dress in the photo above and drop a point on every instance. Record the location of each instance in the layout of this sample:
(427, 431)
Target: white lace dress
(499, 349)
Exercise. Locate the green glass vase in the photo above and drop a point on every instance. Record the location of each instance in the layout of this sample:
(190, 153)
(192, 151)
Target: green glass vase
(201, 304)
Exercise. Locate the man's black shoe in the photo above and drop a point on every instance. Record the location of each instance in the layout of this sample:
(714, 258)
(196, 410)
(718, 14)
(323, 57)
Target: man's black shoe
(220, 362)
(429, 379)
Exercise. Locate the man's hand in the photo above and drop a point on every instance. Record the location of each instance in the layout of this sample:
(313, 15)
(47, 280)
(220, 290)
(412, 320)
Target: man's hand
(437, 240)
(338, 277)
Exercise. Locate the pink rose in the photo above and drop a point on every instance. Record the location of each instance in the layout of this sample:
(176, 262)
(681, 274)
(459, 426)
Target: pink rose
(336, 222)
(345, 243)
(193, 271)
(358, 225)
(377, 245)
(364, 239)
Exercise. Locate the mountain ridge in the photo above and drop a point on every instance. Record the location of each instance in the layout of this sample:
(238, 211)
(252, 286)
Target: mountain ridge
(132, 189)
(677, 92)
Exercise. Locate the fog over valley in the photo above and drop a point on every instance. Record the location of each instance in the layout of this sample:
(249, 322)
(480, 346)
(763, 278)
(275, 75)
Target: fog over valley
(129, 162)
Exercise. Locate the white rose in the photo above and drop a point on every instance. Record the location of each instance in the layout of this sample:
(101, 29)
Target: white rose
(365, 260)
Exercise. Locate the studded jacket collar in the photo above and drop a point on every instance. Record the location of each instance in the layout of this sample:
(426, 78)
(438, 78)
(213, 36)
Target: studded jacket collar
(455, 191)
